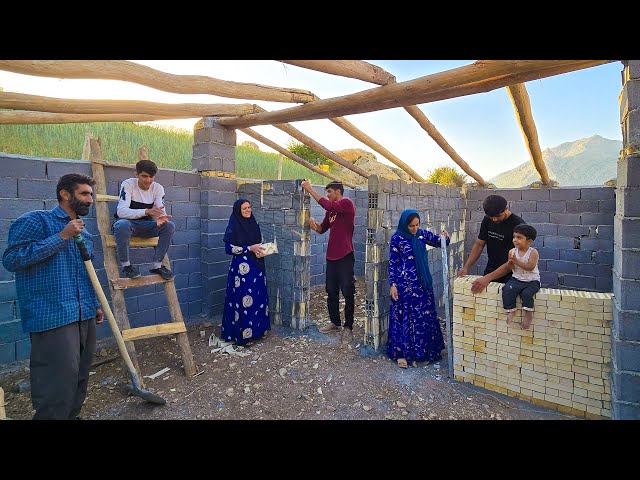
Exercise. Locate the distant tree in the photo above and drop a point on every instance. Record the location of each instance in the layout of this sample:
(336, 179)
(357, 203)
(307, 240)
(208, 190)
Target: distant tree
(306, 152)
(447, 176)
(250, 144)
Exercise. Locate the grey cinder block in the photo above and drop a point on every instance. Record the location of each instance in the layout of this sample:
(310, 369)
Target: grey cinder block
(597, 193)
(564, 194)
(9, 188)
(627, 292)
(539, 194)
(628, 169)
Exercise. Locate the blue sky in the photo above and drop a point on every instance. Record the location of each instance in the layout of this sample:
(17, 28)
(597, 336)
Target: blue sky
(482, 128)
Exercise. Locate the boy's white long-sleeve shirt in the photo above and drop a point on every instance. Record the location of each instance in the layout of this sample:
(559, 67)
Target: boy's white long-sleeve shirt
(133, 200)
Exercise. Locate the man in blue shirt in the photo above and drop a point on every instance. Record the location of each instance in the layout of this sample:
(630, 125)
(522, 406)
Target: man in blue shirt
(58, 305)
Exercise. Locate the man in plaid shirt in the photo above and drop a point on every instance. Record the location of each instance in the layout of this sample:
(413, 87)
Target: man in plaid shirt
(57, 302)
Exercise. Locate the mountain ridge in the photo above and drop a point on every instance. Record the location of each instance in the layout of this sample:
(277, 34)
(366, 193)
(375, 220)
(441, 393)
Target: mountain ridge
(587, 161)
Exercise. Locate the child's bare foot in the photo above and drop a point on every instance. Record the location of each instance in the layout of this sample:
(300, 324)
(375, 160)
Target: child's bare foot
(510, 316)
(527, 317)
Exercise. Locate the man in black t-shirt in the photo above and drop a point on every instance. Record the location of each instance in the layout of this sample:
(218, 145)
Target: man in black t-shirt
(496, 231)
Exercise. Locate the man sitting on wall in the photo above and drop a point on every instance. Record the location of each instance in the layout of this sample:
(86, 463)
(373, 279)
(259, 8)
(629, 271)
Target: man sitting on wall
(496, 231)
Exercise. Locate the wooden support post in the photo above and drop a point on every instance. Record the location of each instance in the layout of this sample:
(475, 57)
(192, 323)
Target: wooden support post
(176, 316)
(3, 412)
(445, 277)
(110, 260)
(280, 157)
(143, 153)
(86, 148)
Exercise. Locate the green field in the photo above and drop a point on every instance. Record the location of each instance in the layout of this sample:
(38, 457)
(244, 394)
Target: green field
(168, 148)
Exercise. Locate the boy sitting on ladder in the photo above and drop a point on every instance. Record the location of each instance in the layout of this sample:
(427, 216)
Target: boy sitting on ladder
(141, 213)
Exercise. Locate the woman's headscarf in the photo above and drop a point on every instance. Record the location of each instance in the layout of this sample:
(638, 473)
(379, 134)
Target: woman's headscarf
(243, 231)
(419, 250)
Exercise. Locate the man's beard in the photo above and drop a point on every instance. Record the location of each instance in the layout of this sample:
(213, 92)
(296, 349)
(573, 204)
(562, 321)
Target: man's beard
(79, 207)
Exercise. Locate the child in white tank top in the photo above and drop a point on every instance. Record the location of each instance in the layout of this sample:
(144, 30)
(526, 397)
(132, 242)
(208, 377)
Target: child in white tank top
(525, 281)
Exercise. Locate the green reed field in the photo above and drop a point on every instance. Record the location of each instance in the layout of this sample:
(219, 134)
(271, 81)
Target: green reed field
(168, 147)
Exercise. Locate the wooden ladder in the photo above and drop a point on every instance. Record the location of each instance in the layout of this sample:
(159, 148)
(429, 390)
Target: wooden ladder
(117, 285)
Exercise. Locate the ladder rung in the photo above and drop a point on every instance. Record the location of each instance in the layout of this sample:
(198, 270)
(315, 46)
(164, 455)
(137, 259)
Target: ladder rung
(153, 331)
(143, 281)
(135, 241)
(101, 197)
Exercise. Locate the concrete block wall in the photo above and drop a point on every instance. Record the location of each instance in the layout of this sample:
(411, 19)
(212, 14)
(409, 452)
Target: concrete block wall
(439, 207)
(217, 196)
(214, 158)
(575, 232)
(562, 361)
(625, 341)
(319, 242)
(282, 210)
(29, 183)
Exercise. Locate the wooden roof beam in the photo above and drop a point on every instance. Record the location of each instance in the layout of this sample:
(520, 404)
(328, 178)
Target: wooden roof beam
(311, 143)
(134, 72)
(292, 156)
(20, 101)
(308, 141)
(18, 117)
(481, 76)
(357, 69)
(437, 137)
(371, 73)
(371, 143)
(522, 105)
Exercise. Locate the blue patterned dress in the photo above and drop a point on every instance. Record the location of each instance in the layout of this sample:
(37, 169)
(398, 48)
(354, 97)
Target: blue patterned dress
(414, 328)
(246, 307)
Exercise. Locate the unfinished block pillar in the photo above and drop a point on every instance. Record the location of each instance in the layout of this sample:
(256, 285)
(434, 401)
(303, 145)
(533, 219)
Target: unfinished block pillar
(625, 338)
(439, 207)
(376, 268)
(282, 210)
(214, 156)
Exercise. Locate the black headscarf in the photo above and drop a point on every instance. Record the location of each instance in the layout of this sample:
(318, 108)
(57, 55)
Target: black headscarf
(243, 231)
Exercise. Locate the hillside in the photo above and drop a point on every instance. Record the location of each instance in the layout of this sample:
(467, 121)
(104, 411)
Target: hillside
(168, 147)
(588, 161)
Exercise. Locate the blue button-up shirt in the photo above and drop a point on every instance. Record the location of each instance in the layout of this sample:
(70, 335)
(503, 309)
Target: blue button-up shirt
(54, 288)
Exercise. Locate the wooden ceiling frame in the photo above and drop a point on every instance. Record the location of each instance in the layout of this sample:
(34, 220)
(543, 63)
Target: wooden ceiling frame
(481, 76)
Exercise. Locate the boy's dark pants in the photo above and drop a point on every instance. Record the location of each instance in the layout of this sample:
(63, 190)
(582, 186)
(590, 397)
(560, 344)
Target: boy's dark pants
(515, 287)
(340, 277)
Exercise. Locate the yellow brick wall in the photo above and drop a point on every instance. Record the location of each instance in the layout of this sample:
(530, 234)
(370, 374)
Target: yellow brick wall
(562, 361)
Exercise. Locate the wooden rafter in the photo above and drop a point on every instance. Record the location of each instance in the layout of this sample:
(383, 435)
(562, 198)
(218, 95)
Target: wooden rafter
(370, 142)
(15, 117)
(433, 132)
(310, 142)
(292, 156)
(522, 105)
(481, 76)
(347, 68)
(21, 101)
(134, 72)
(371, 73)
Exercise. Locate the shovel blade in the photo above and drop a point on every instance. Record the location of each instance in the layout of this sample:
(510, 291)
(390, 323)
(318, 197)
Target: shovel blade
(146, 395)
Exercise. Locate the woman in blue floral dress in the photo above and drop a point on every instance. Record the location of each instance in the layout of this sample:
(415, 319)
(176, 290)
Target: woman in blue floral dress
(246, 306)
(414, 329)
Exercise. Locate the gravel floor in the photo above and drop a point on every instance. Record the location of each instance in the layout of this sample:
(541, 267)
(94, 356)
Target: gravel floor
(286, 375)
